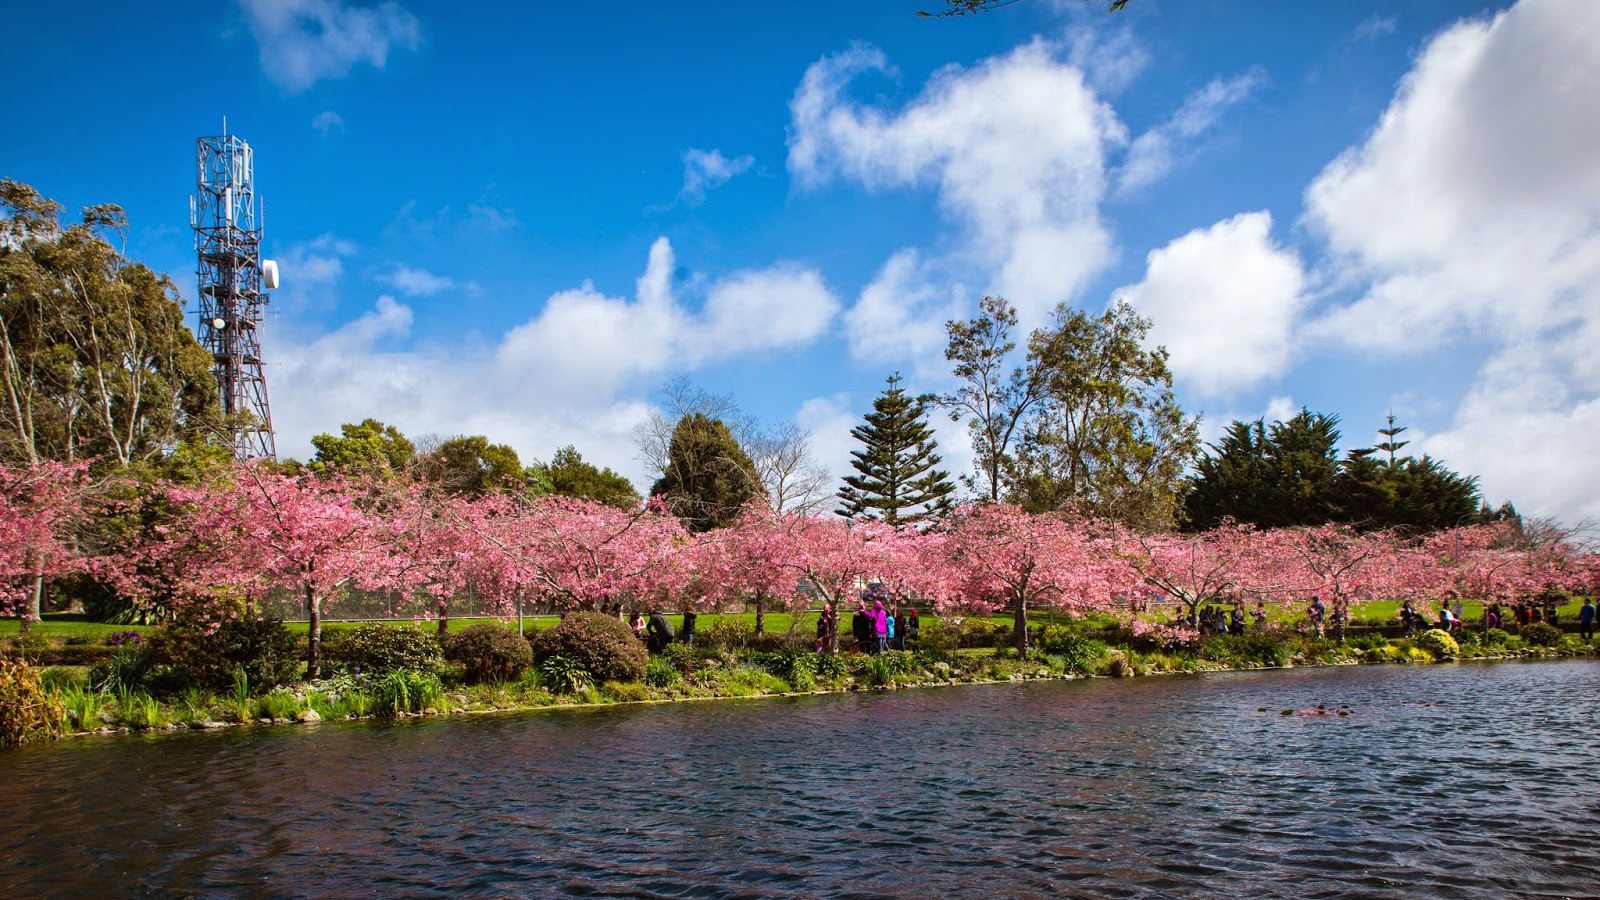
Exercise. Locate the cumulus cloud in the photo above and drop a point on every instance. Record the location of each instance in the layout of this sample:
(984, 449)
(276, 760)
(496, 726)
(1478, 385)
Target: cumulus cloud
(417, 282)
(1014, 148)
(1224, 301)
(326, 121)
(585, 342)
(305, 41)
(1472, 212)
(557, 378)
(1158, 151)
(707, 170)
(900, 315)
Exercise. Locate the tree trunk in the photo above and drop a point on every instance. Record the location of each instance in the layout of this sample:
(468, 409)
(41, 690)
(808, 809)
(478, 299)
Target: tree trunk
(1022, 626)
(444, 618)
(761, 614)
(313, 635)
(35, 605)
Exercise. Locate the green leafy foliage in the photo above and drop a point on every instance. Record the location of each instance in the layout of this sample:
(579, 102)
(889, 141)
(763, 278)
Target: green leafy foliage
(380, 649)
(490, 653)
(658, 673)
(708, 477)
(1439, 643)
(1078, 654)
(28, 711)
(600, 645)
(1496, 637)
(569, 475)
(406, 691)
(199, 655)
(561, 675)
(1253, 649)
(368, 448)
(1539, 634)
(128, 669)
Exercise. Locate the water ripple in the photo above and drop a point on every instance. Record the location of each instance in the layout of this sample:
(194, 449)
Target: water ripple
(1448, 780)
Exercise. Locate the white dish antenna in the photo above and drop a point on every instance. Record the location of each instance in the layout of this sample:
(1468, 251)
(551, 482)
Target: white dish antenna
(269, 274)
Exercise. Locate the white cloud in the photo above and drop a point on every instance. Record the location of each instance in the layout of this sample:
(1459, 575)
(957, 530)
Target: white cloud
(1473, 212)
(1375, 27)
(1110, 59)
(305, 41)
(1014, 148)
(1158, 151)
(585, 343)
(326, 121)
(553, 380)
(707, 170)
(900, 315)
(417, 282)
(1224, 301)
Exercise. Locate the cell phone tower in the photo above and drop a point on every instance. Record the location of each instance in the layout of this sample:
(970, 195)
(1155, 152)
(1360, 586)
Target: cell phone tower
(234, 280)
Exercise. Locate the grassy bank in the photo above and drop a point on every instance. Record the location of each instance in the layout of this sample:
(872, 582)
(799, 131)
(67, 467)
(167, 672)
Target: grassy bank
(70, 704)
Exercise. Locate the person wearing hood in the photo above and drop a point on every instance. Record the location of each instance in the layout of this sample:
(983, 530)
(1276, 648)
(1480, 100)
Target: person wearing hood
(880, 625)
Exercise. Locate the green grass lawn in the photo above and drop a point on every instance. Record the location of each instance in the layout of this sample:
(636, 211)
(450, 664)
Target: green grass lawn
(65, 625)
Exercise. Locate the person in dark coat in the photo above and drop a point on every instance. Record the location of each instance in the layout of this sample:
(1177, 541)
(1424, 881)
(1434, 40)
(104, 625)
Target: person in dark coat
(687, 633)
(861, 628)
(658, 634)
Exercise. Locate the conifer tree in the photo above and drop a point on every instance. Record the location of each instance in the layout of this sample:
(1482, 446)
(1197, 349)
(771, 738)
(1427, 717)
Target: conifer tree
(899, 480)
(708, 477)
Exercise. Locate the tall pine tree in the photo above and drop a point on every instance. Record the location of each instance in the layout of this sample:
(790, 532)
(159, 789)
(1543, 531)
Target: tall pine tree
(708, 477)
(898, 479)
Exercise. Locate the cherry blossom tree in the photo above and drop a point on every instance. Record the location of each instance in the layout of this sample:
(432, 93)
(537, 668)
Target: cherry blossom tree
(1008, 558)
(747, 562)
(38, 505)
(1212, 566)
(1345, 567)
(582, 555)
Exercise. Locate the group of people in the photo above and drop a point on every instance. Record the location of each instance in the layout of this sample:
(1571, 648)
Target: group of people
(881, 626)
(657, 631)
(1214, 619)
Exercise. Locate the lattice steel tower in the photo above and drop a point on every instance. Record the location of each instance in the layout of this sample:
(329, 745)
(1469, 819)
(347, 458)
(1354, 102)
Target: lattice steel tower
(233, 284)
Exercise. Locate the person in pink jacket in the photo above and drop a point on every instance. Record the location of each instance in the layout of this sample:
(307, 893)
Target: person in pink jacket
(880, 625)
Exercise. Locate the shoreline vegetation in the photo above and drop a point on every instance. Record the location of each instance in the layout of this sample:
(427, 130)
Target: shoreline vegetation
(403, 669)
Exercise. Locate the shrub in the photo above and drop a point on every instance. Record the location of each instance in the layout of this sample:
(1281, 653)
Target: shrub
(381, 649)
(490, 653)
(407, 690)
(1247, 649)
(1078, 654)
(1496, 637)
(28, 711)
(625, 691)
(794, 666)
(1439, 643)
(726, 633)
(561, 675)
(1373, 641)
(128, 670)
(279, 703)
(198, 655)
(1540, 634)
(829, 668)
(600, 645)
(658, 673)
(82, 707)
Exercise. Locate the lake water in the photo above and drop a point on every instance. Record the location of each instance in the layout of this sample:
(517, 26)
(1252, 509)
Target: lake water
(1457, 780)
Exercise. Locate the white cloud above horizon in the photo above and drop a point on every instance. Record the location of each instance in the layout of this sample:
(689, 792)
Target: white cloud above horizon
(1472, 213)
(305, 41)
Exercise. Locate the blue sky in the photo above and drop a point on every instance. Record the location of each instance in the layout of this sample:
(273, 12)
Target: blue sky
(520, 219)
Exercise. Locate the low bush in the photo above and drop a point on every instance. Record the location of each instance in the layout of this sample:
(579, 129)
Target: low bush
(407, 691)
(204, 655)
(28, 711)
(600, 645)
(1247, 650)
(128, 670)
(381, 649)
(625, 691)
(1439, 643)
(1078, 654)
(560, 675)
(658, 673)
(794, 666)
(1496, 637)
(1539, 634)
(1372, 641)
(489, 653)
(278, 703)
(726, 633)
